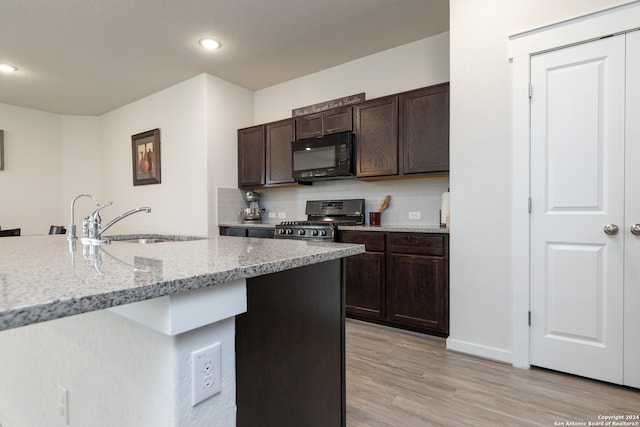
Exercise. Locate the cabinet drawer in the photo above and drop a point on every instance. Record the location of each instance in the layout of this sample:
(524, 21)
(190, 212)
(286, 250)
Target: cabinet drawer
(233, 231)
(265, 233)
(418, 244)
(373, 241)
(246, 232)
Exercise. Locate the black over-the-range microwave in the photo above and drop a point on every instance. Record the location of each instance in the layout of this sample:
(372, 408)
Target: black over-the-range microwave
(325, 157)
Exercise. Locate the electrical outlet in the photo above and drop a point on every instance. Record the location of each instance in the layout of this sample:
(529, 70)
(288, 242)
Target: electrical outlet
(206, 378)
(282, 215)
(414, 215)
(272, 214)
(63, 405)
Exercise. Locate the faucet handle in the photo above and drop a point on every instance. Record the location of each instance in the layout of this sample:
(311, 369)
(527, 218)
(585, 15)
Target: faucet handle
(95, 213)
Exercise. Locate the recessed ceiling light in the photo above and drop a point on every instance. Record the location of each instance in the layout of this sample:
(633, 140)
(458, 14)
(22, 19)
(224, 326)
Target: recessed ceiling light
(6, 68)
(209, 43)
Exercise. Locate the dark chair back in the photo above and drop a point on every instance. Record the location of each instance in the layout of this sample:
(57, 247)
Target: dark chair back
(57, 229)
(12, 232)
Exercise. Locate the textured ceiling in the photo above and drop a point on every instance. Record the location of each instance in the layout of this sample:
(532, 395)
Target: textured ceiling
(87, 57)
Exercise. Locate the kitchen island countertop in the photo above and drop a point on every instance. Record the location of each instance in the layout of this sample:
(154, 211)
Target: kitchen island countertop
(41, 279)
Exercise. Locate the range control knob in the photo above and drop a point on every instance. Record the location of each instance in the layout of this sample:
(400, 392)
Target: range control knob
(314, 232)
(323, 232)
(281, 231)
(300, 232)
(289, 231)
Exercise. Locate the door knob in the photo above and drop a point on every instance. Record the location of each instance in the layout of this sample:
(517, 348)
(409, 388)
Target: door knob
(611, 229)
(635, 229)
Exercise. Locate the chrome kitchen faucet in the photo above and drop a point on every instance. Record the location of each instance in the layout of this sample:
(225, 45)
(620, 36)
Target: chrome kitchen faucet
(92, 225)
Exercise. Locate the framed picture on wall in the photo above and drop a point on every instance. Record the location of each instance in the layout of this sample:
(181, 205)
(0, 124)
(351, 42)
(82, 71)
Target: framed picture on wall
(145, 151)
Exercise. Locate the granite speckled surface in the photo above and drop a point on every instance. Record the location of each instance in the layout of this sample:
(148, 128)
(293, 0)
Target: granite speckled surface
(42, 279)
(387, 228)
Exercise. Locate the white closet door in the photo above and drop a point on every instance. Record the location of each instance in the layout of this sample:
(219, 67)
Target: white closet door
(577, 187)
(632, 216)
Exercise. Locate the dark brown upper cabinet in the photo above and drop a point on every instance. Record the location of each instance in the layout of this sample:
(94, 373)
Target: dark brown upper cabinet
(406, 134)
(251, 156)
(324, 123)
(424, 130)
(376, 127)
(264, 154)
(401, 135)
(279, 136)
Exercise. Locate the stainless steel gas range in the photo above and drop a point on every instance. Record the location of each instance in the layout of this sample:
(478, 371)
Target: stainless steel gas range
(323, 219)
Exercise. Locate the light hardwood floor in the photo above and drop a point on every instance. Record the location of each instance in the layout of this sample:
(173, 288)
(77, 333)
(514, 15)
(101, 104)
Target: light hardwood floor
(400, 379)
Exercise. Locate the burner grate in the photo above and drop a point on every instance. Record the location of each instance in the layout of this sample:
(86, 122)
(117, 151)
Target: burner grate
(317, 223)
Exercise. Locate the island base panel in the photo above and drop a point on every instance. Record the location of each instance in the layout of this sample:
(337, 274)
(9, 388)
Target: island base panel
(290, 349)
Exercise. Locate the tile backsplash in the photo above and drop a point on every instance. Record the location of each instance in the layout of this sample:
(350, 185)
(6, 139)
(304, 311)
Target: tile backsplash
(230, 202)
(288, 203)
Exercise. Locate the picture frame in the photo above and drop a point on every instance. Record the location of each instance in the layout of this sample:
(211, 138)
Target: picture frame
(145, 152)
(1, 150)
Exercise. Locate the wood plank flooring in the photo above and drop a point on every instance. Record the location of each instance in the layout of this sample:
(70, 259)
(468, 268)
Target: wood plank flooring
(401, 379)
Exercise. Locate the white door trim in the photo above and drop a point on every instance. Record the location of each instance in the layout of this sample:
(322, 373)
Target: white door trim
(632, 206)
(522, 46)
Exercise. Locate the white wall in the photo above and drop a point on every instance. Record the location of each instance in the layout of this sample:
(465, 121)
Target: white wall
(421, 63)
(414, 65)
(198, 119)
(481, 159)
(219, 410)
(229, 108)
(50, 159)
(81, 166)
(31, 182)
(101, 370)
(179, 203)
(117, 373)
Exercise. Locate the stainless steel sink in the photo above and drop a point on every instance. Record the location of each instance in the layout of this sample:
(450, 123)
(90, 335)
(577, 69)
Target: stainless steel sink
(145, 239)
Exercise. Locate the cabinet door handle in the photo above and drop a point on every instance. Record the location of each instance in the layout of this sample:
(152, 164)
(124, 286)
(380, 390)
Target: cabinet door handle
(611, 229)
(635, 229)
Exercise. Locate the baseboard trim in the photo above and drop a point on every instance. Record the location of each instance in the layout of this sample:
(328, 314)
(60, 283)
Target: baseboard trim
(479, 351)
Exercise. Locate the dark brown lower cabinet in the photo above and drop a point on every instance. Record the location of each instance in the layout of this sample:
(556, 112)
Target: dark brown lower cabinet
(365, 275)
(402, 280)
(290, 344)
(266, 232)
(417, 295)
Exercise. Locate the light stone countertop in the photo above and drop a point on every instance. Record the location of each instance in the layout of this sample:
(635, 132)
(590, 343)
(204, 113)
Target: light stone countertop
(431, 229)
(41, 279)
(384, 227)
(248, 224)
